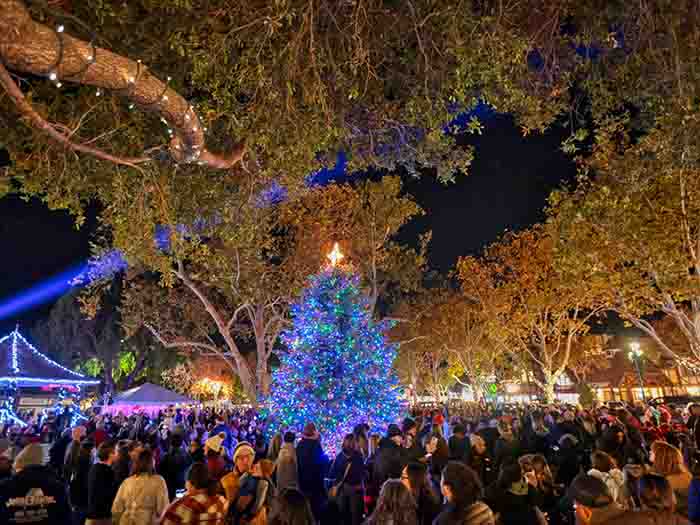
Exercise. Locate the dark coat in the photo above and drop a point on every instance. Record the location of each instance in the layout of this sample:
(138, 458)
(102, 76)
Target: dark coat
(34, 489)
(312, 464)
(514, 509)
(459, 448)
(356, 473)
(389, 462)
(79, 483)
(173, 467)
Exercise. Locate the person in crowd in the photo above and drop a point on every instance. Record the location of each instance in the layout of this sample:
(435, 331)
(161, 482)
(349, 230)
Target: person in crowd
(413, 436)
(292, 508)
(439, 456)
(33, 494)
(173, 466)
(99, 435)
(122, 465)
(507, 448)
(569, 459)
(79, 482)
(667, 461)
(658, 505)
(5, 462)
(347, 474)
(58, 451)
(243, 457)
(604, 468)
(222, 428)
(214, 450)
(312, 468)
(462, 490)
(390, 458)
(196, 451)
(459, 444)
(273, 450)
(143, 496)
(480, 460)
(415, 477)
(248, 489)
(70, 462)
(286, 465)
(202, 504)
(514, 496)
(592, 501)
(395, 505)
(102, 487)
(362, 440)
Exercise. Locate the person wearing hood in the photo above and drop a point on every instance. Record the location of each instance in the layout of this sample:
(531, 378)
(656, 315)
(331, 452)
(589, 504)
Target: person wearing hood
(33, 495)
(391, 456)
(286, 466)
(312, 467)
(569, 460)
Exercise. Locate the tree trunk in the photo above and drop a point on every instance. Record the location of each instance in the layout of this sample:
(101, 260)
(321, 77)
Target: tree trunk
(548, 387)
(108, 379)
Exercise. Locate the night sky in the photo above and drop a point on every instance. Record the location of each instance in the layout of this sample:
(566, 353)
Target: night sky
(507, 189)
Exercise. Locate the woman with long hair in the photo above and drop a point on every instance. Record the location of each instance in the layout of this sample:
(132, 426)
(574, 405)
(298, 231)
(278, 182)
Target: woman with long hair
(395, 506)
(415, 477)
(201, 504)
(462, 490)
(667, 461)
(143, 496)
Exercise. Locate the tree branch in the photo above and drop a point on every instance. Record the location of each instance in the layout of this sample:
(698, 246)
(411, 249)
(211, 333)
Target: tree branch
(27, 46)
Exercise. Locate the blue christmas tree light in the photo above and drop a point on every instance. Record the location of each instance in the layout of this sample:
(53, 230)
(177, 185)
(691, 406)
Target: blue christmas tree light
(337, 372)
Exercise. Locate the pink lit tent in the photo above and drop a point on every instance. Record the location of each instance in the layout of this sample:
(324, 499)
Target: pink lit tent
(148, 398)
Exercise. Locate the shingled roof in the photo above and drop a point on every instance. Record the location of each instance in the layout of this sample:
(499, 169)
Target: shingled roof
(24, 365)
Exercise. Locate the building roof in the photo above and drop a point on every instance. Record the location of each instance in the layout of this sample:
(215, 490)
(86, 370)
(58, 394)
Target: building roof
(25, 366)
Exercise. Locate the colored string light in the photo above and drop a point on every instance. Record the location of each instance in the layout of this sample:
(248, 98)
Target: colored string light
(337, 372)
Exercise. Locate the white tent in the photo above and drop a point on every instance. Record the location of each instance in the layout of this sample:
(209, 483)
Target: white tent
(148, 398)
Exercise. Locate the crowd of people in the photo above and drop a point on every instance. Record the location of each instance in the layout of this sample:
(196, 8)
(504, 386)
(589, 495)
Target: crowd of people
(475, 465)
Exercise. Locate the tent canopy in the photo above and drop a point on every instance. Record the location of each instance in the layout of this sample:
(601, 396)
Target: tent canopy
(149, 394)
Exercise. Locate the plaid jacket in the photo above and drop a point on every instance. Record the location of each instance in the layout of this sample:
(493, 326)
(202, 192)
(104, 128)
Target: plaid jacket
(197, 508)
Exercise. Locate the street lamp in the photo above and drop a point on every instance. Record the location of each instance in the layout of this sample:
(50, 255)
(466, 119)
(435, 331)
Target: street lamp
(636, 356)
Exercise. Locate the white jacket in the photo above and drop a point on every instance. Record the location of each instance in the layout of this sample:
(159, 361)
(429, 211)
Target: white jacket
(141, 500)
(614, 479)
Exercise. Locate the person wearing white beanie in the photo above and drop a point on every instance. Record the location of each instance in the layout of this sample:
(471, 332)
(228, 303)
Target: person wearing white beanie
(243, 458)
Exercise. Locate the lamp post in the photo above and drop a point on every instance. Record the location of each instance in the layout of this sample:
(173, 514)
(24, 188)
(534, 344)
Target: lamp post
(635, 355)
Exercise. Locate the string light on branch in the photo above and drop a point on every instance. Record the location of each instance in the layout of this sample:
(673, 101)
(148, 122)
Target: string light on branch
(60, 29)
(98, 92)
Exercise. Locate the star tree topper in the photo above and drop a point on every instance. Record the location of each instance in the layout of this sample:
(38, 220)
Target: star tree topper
(335, 256)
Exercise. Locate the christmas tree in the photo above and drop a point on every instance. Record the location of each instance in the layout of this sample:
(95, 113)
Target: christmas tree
(337, 372)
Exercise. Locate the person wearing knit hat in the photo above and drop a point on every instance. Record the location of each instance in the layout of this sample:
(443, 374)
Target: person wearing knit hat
(243, 457)
(243, 448)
